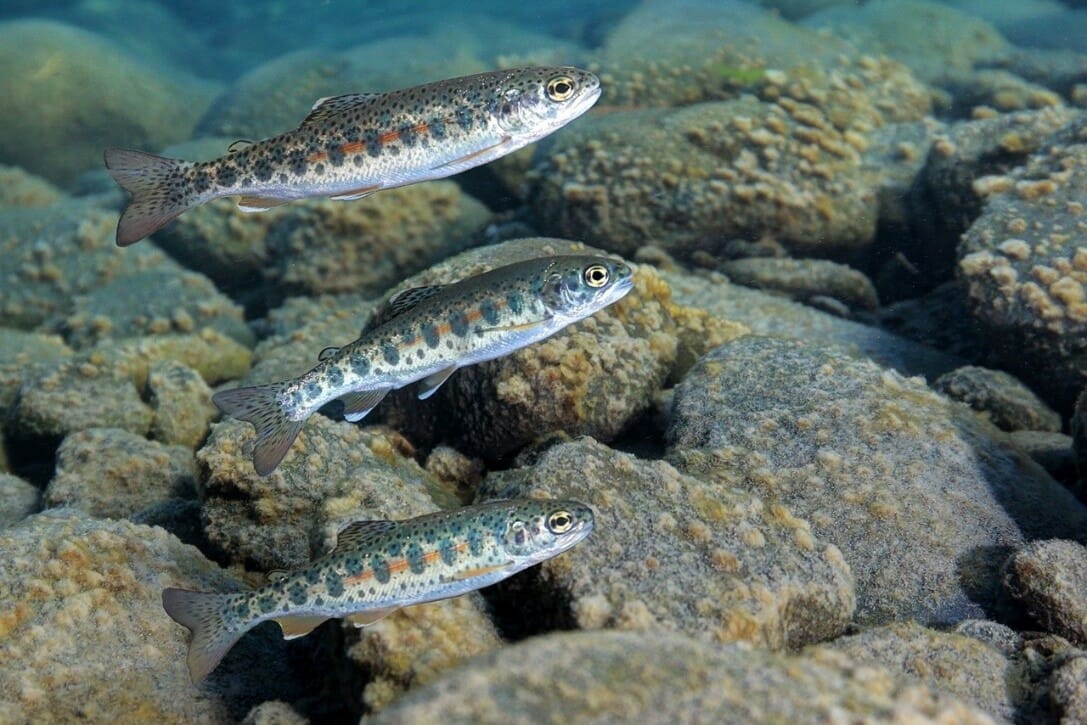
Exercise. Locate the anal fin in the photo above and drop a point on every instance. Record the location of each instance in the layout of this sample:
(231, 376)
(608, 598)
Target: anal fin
(357, 405)
(429, 384)
(356, 193)
(251, 204)
(368, 616)
(299, 626)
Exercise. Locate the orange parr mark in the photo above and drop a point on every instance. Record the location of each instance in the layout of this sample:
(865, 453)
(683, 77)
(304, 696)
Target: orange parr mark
(317, 156)
(355, 147)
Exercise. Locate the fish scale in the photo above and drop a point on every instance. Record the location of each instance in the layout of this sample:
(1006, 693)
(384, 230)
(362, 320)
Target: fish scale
(426, 334)
(355, 144)
(378, 567)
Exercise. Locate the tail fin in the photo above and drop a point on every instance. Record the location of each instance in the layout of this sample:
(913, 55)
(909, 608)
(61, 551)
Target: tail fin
(260, 406)
(153, 181)
(212, 637)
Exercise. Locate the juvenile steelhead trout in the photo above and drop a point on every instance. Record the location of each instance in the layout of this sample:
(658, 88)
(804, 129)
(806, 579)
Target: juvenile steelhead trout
(425, 334)
(378, 567)
(353, 145)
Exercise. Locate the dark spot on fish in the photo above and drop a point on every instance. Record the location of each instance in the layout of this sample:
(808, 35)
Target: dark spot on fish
(313, 390)
(475, 542)
(313, 576)
(416, 560)
(448, 552)
(297, 162)
(381, 569)
(373, 142)
(335, 155)
(228, 174)
(430, 335)
(458, 323)
(489, 310)
(391, 354)
(335, 377)
(318, 168)
(334, 585)
(297, 593)
(319, 602)
(407, 135)
(360, 365)
(202, 181)
(283, 178)
(266, 603)
(263, 170)
(515, 302)
(436, 128)
(464, 118)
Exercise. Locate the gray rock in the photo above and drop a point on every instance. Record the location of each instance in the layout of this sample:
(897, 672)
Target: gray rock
(803, 279)
(766, 314)
(666, 677)
(23, 355)
(21, 189)
(70, 78)
(999, 636)
(181, 403)
(111, 473)
(866, 456)
(1049, 579)
(18, 499)
(1025, 269)
(152, 302)
(937, 319)
(992, 91)
(1067, 690)
(1051, 451)
(84, 634)
(1059, 70)
(952, 664)
(672, 552)
(1079, 439)
(935, 41)
(1009, 404)
(274, 712)
(334, 472)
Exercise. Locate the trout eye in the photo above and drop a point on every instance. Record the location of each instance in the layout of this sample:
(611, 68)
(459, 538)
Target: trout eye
(596, 275)
(560, 522)
(560, 88)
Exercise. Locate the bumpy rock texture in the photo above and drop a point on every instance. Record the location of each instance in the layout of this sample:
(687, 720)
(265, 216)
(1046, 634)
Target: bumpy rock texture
(83, 634)
(805, 279)
(866, 456)
(18, 499)
(1009, 404)
(181, 403)
(665, 677)
(1049, 578)
(112, 473)
(669, 551)
(593, 378)
(1024, 267)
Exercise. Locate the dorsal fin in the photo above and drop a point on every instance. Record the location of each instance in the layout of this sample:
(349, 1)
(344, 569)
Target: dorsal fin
(403, 301)
(329, 106)
(358, 533)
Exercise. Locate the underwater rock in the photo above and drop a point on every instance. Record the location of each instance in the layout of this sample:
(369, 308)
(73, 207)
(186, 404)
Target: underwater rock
(951, 190)
(1079, 438)
(274, 712)
(90, 93)
(21, 189)
(1067, 692)
(802, 279)
(678, 52)
(335, 471)
(181, 403)
(1009, 404)
(22, 355)
(666, 677)
(866, 455)
(767, 314)
(1049, 579)
(592, 378)
(985, 93)
(152, 302)
(50, 255)
(416, 645)
(76, 394)
(952, 664)
(111, 473)
(366, 246)
(933, 40)
(673, 552)
(1024, 267)
(1062, 71)
(209, 352)
(83, 635)
(18, 499)
(689, 179)
(937, 319)
(1052, 451)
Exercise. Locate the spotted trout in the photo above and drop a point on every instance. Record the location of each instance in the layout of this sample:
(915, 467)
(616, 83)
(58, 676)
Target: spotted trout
(425, 334)
(355, 144)
(378, 567)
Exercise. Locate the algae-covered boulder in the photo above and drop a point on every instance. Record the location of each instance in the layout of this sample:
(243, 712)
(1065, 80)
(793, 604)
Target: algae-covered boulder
(20, 189)
(868, 458)
(1049, 579)
(88, 92)
(670, 551)
(82, 631)
(1009, 404)
(667, 677)
(181, 402)
(18, 499)
(111, 473)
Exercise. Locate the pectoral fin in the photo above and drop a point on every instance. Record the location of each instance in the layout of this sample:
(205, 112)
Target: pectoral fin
(519, 327)
(356, 193)
(486, 152)
(294, 627)
(480, 571)
(369, 616)
(251, 204)
(431, 383)
(357, 405)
